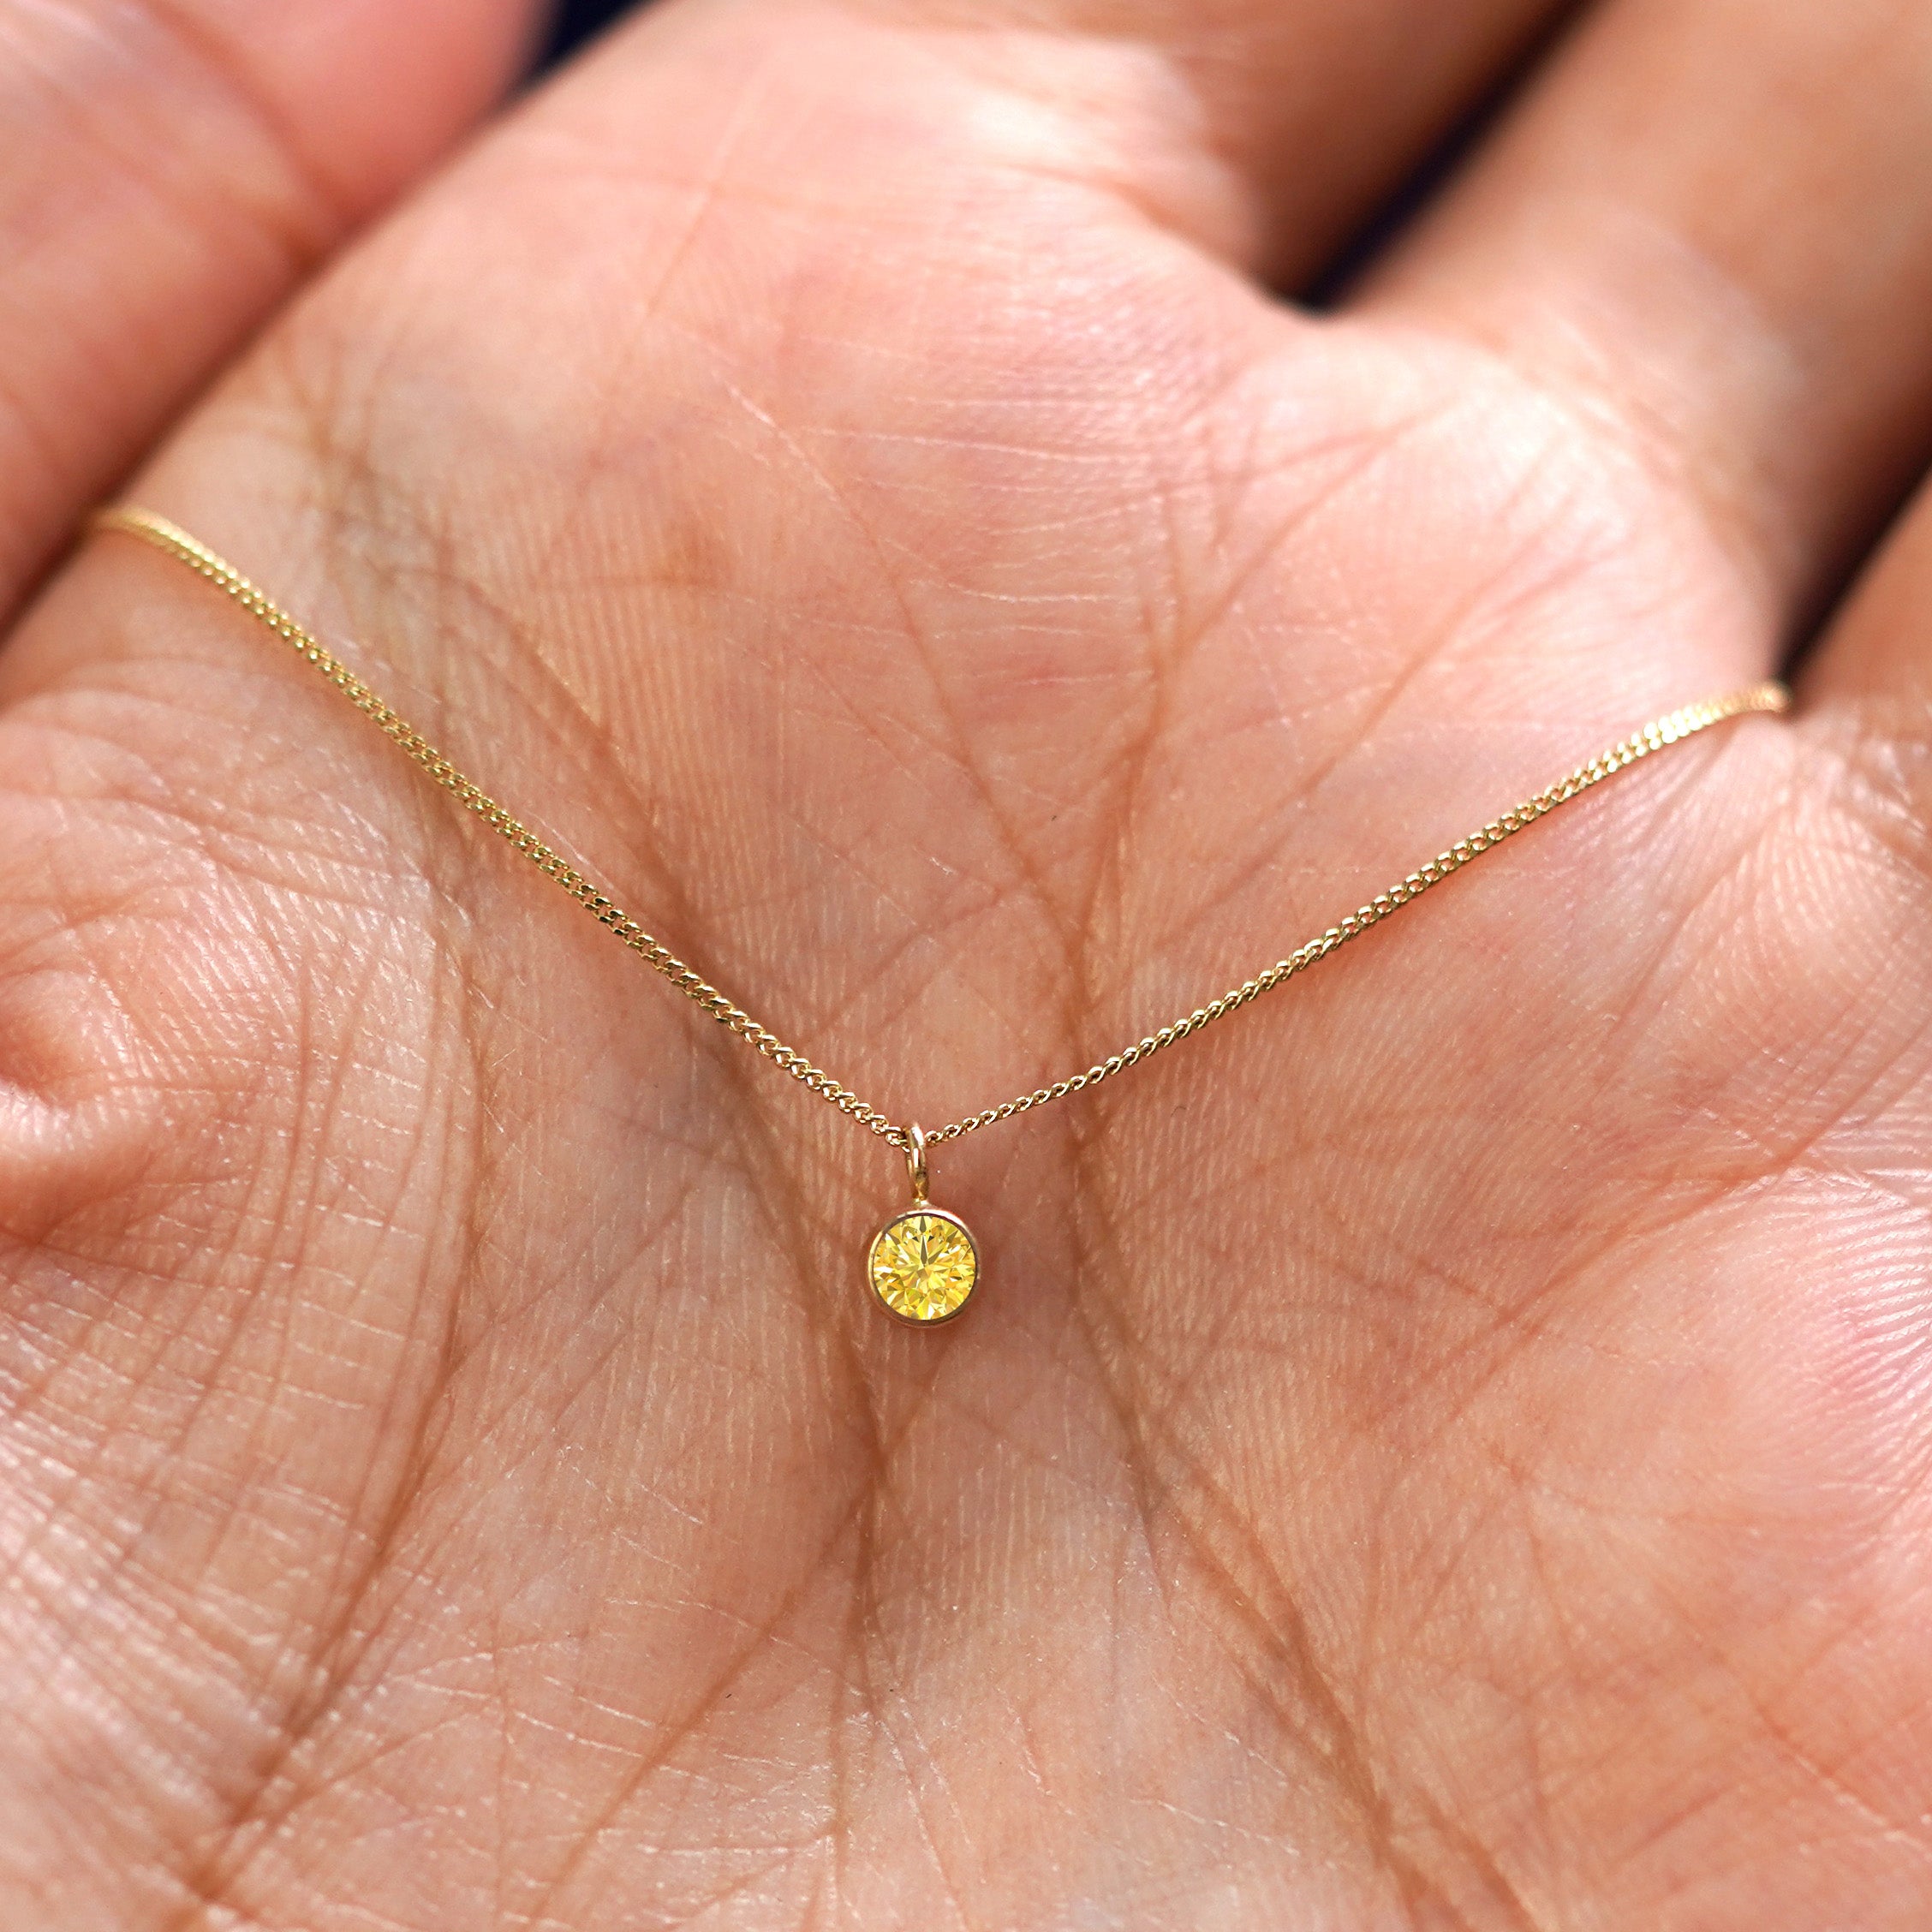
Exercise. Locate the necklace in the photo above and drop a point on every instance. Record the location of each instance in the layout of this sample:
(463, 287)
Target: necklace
(923, 1264)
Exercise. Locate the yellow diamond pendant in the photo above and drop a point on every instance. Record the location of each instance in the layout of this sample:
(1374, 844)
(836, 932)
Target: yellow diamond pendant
(923, 1264)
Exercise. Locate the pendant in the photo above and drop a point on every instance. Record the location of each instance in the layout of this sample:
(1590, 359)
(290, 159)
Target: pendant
(923, 1265)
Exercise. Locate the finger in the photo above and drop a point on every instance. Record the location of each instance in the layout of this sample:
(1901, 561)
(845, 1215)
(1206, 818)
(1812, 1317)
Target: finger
(168, 174)
(1868, 695)
(1710, 227)
(1309, 111)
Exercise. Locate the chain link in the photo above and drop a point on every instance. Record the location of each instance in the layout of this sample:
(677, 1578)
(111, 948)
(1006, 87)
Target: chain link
(1653, 738)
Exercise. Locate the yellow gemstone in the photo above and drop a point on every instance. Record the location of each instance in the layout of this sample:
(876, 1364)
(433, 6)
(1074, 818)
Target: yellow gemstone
(923, 1265)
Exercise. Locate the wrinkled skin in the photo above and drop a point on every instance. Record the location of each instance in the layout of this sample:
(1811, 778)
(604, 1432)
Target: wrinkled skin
(1451, 1447)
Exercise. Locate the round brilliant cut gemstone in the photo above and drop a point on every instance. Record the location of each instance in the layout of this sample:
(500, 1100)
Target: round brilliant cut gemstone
(923, 1265)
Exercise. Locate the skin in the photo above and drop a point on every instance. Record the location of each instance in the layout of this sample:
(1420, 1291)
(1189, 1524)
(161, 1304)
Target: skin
(1450, 1448)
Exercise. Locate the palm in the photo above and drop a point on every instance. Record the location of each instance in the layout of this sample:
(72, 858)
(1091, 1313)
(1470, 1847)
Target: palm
(1445, 1442)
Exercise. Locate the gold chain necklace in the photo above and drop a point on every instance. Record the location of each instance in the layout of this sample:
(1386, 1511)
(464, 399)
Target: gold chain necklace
(923, 1264)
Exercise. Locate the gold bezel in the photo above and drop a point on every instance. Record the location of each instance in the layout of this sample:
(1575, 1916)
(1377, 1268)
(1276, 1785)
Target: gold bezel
(941, 1214)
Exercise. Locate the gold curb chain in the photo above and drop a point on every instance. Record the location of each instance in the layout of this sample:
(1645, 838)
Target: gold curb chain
(1670, 729)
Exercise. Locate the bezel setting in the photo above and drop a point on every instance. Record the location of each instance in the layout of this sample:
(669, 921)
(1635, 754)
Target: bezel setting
(884, 1228)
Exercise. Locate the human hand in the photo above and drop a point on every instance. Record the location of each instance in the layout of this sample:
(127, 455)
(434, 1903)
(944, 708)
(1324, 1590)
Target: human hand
(1448, 1446)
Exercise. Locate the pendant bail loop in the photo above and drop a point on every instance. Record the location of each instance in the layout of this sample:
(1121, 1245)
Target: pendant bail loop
(916, 1160)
